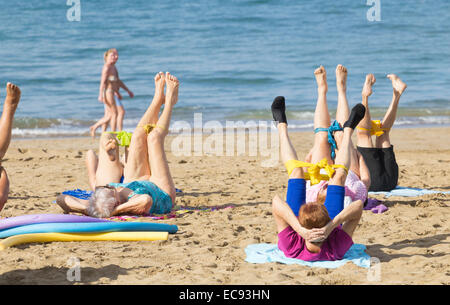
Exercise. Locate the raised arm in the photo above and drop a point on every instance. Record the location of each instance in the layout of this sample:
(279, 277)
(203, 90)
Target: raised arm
(137, 205)
(72, 204)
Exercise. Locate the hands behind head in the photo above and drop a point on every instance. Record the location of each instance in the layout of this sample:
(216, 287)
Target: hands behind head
(317, 235)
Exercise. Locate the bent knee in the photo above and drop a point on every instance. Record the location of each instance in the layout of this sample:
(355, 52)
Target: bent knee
(321, 137)
(339, 177)
(156, 135)
(297, 173)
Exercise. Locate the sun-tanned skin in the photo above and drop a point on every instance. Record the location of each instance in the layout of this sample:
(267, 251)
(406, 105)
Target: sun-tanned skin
(283, 214)
(106, 167)
(9, 108)
(364, 139)
(146, 157)
(321, 147)
(108, 89)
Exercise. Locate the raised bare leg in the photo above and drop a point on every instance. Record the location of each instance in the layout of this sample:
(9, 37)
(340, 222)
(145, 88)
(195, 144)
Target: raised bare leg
(287, 150)
(157, 157)
(321, 114)
(9, 108)
(343, 156)
(91, 166)
(342, 114)
(120, 116)
(137, 167)
(364, 138)
(389, 118)
(343, 111)
(4, 187)
(321, 148)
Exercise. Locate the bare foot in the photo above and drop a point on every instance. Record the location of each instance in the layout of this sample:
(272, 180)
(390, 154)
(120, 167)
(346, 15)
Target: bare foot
(12, 97)
(160, 81)
(398, 85)
(172, 89)
(321, 79)
(111, 149)
(341, 78)
(367, 89)
(92, 130)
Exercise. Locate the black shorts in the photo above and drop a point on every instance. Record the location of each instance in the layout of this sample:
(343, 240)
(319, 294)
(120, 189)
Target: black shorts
(382, 167)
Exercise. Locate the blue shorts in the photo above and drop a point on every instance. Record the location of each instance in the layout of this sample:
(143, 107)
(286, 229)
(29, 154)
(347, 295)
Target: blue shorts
(296, 197)
(118, 101)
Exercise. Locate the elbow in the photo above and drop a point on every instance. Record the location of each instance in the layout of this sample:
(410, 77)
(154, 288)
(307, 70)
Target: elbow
(275, 204)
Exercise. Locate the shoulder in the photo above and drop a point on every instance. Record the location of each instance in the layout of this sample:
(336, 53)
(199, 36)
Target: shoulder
(338, 242)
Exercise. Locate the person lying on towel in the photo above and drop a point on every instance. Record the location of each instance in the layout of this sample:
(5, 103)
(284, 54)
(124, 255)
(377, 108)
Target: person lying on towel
(380, 158)
(316, 231)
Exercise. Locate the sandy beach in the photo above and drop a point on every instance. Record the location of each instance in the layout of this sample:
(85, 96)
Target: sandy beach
(411, 239)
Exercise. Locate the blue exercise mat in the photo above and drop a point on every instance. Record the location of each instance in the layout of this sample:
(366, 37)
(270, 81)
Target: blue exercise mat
(269, 253)
(89, 227)
(408, 192)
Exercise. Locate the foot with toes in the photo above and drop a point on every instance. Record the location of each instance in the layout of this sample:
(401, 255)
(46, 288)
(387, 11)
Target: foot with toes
(12, 97)
(367, 88)
(397, 84)
(321, 79)
(341, 78)
(172, 85)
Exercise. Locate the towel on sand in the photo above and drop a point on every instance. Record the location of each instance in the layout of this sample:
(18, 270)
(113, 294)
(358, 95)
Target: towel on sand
(268, 253)
(408, 192)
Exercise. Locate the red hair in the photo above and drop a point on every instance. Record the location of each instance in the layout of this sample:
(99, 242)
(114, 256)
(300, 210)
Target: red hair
(313, 215)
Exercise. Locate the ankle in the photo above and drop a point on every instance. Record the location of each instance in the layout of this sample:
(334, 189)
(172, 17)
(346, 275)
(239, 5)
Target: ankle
(322, 90)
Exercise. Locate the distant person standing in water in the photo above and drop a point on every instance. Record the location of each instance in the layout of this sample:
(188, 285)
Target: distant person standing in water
(110, 85)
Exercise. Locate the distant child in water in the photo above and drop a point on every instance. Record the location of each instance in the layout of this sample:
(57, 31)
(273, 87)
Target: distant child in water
(110, 85)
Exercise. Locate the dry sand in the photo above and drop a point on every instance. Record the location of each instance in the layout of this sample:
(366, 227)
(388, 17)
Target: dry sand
(411, 239)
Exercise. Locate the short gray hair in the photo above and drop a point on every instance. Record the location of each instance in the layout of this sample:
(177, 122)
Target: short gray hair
(101, 203)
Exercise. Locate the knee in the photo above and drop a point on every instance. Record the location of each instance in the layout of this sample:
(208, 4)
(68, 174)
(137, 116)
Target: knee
(321, 138)
(156, 136)
(90, 154)
(113, 110)
(338, 137)
(121, 111)
(339, 177)
(297, 173)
